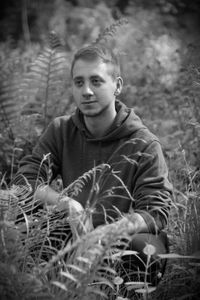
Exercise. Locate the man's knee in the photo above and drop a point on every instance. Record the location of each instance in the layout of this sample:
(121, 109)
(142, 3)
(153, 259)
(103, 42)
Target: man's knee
(142, 240)
(146, 263)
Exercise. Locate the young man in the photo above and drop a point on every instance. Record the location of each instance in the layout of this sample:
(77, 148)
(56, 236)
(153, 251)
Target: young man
(104, 130)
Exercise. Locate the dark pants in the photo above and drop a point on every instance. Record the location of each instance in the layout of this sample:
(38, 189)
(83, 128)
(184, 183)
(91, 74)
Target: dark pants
(135, 268)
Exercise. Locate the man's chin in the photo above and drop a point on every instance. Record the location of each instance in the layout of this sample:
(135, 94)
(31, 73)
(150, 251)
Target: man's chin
(90, 114)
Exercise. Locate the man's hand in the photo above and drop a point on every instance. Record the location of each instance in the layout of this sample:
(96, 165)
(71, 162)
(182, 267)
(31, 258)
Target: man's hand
(46, 195)
(49, 196)
(72, 206)
(78, 219)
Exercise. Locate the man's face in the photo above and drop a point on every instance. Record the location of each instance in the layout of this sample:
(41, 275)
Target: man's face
(93, 87)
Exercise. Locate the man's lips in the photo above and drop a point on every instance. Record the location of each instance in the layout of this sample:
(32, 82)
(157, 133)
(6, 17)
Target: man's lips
(89, 102)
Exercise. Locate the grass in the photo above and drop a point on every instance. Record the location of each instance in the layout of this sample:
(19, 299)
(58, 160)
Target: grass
(26, 273)
(32, 268)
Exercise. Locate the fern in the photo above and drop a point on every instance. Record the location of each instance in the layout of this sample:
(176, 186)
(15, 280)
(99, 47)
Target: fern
(10, 100)
(30, 96)
(54, 41)
(46, 82)
(87, 272)
(39, 91)
(76, 187)
(111, 31)
(25, 274)
(59, 264)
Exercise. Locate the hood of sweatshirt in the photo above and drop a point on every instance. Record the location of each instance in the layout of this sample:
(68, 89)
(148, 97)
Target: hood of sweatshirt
(126, 122)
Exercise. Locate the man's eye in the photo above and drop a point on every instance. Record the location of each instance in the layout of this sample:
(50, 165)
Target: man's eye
(78, 83)
(96, 81)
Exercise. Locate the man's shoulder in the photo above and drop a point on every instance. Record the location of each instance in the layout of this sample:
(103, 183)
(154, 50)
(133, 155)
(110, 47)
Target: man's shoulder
(60, 125)
(145, 134)
(61, 121)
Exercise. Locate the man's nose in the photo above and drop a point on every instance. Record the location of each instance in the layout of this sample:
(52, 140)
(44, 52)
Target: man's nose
(87, 91)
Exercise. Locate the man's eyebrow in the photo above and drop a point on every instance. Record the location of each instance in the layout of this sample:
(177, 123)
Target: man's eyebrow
(91, 77)
(78, 77)
(96, 76)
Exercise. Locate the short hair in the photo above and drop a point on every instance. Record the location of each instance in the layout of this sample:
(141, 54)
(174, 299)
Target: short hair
(93, 52)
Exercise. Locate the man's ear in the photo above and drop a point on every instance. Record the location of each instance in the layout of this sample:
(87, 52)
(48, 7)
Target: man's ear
(119, 85)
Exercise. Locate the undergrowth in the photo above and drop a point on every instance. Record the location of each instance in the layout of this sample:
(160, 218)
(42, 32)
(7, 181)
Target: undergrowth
(29, 98)
(45, 255)
(31, 267)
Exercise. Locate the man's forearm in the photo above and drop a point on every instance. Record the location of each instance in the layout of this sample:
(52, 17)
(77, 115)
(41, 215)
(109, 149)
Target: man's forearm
(49, 196)
(135, 223)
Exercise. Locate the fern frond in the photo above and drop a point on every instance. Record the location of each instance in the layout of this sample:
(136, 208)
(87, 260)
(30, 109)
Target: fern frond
(10, 96)
(15, 199)
(76, 187)
(110, 32)
(54, 41)
(45, 84)
(87, 265)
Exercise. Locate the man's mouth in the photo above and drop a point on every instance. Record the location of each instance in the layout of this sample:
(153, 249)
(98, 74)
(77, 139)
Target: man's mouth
(88, 102)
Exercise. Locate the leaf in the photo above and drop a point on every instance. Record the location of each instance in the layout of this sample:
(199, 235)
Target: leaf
(132, 285)
(60, 285)
(76, 268)
(68, 275)
(26, 222)
(84, 259)
(102, 280)
(129, 252)
(76, 186)
(45, 84)
(37, 91)
(11, 100)
(91, 290)
(106, 269)
(54, 41)
(110, 32)
(147, 290)
(175, 256)
(122, 253)
(138, 283)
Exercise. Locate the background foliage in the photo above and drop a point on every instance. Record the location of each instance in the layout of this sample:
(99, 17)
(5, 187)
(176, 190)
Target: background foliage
(159, 50)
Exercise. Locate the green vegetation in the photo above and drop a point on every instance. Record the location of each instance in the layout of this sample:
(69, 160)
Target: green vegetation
(160, 66)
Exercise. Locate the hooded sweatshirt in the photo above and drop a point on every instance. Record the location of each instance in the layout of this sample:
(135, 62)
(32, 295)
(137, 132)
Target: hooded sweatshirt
(120, 172)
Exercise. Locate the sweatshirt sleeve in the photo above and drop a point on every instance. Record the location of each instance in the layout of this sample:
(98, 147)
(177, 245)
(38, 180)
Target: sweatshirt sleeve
(153, 191)
(43, 164)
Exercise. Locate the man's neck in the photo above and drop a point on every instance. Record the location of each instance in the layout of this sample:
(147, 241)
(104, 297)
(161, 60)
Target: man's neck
(99, 125)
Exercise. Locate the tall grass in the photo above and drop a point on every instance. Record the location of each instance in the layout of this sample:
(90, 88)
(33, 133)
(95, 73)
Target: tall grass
(31, 266)
(38, 265)
(44, 256)
(182, 279)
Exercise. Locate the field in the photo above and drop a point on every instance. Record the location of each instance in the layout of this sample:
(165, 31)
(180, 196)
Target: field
(160, 67)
